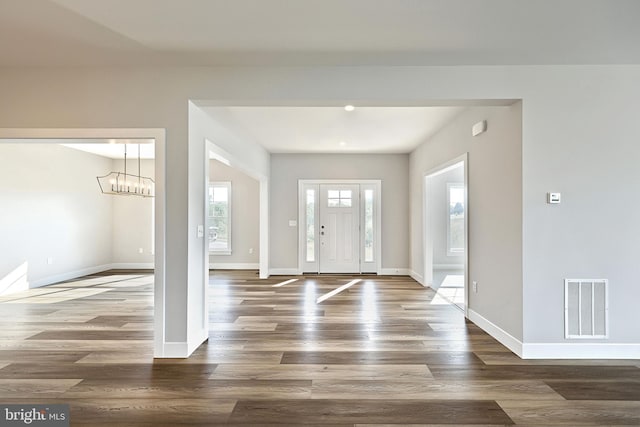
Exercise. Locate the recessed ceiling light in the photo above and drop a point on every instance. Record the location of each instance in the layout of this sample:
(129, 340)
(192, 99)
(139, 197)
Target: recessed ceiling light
(342, 143)
(349, 107)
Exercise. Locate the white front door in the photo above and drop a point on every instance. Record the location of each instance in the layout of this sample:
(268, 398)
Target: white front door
(339, 228)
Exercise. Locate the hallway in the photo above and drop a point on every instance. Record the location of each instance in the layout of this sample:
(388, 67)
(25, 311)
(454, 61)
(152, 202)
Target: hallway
(382, 351)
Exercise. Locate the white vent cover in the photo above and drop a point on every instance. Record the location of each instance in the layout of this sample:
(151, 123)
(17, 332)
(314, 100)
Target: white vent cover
(586, 308)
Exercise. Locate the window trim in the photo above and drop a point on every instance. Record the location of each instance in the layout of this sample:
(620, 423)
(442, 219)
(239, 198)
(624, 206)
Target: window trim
(228, 249)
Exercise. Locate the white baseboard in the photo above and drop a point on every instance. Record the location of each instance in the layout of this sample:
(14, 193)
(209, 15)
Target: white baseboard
(234, 266)
(173, 350)
(394, 272)
(200, 337)
(497, 332)
(70, 275)
(569, 350)
(49, 280)
(417, 277)
(581, 351)
(132, 266)
(181, 349)
(296, 272)
(284, 272)
(448, 266)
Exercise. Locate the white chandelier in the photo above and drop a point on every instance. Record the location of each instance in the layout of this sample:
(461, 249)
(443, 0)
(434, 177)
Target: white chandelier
(124, 184)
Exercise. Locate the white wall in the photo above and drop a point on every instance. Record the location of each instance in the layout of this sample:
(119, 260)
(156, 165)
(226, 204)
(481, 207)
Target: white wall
(133, 222)
(439, 215)
(579, 136)
(495, 208)
(245, 218)
(52, 207)
(204, 136)
(392, 169)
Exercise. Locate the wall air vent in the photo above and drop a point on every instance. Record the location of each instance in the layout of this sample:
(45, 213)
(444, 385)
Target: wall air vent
(586, 308)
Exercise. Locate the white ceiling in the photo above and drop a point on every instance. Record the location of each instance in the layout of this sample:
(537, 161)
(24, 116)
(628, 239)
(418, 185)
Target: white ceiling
(322, 32)
(111, 148)
(332, 129)
(114, 149)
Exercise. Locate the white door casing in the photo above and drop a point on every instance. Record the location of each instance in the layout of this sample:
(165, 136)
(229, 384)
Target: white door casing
(427, 222)
(365, 237)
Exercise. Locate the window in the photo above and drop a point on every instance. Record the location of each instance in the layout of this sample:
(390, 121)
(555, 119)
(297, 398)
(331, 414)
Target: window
(368, 226)
(220, 218)
(455, 219)
(311, 225)
(339, 198)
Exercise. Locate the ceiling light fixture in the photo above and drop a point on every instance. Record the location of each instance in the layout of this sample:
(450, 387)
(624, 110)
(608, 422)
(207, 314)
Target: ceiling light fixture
(342, 143)
(124, 184)
(349, 107)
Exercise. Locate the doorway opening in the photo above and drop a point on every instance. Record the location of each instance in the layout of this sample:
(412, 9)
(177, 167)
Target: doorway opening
(233, 219)
(64, 264)
(339, 226)
(446, 216)
(252, 212)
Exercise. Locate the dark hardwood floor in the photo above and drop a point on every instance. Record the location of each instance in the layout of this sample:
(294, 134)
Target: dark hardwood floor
(382, 352)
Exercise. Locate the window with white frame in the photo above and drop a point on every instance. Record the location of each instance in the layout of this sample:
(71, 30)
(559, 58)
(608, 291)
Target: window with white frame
(220, 218)
(368, 226)
(455, 219)
(339, 198)
(310, 214)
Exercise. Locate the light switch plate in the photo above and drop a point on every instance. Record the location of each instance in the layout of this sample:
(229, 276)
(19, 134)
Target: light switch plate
(201, 231)
(554, 198)
(293, 223)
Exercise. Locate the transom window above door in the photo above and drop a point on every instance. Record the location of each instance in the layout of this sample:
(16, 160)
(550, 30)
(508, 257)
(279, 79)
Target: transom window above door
(339, 198)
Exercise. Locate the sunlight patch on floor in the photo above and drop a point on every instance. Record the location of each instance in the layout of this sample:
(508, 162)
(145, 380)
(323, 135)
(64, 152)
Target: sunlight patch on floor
(451, 291)
(63, 295)
(337, 291)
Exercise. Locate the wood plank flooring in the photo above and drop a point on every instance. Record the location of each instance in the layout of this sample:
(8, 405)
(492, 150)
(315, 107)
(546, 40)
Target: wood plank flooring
(383, 352)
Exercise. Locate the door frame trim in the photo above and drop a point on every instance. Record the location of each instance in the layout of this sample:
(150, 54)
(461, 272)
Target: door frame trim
(426, 228)
(378, 221)
(161, 347)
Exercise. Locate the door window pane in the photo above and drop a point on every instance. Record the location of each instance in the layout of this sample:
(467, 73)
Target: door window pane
(339, 198)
